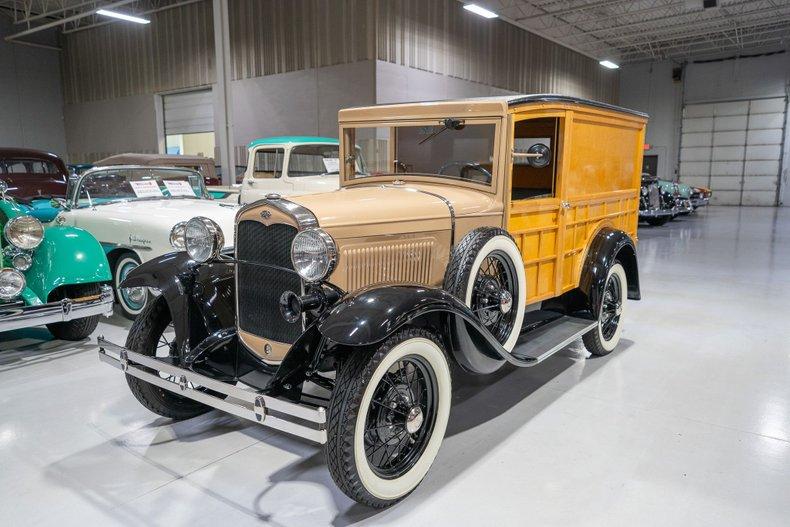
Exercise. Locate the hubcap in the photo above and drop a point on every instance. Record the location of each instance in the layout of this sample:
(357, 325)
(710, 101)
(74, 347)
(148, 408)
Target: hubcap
(414, 420)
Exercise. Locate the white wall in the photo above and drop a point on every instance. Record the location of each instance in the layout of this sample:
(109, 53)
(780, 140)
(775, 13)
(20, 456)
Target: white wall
(649, 87)
(31, 95)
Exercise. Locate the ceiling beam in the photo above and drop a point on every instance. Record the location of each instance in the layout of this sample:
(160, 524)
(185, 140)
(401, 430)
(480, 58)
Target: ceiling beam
(138, 13)
(89, 12)
(569, 10)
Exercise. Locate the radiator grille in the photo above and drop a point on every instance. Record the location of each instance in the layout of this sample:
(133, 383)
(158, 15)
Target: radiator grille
(265, 272)
(408, 262)
(653, 198)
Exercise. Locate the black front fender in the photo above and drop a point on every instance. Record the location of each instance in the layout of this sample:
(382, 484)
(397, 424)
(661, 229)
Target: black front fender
(201, 299)
(370, 316)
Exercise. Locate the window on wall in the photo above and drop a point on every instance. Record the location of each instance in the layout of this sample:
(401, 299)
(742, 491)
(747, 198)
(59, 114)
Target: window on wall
(535, 177)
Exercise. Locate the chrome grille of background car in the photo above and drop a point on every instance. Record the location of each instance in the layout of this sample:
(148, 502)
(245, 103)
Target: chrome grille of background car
(653, 197)
(264, 272)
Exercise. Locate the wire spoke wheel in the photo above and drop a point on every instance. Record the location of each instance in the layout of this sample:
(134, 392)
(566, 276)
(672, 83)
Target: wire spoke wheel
(495, 288)
(401, 417)
(612, 306)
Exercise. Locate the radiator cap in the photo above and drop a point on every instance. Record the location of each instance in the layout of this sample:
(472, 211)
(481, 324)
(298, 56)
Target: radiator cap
(273, 195)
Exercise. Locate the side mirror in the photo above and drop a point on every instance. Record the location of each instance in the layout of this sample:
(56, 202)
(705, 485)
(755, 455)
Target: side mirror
(59, 203)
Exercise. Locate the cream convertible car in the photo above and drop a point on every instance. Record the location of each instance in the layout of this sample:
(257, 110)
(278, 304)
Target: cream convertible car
(138, 213)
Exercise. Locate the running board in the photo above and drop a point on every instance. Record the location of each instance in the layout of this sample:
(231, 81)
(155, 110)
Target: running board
(537, 345)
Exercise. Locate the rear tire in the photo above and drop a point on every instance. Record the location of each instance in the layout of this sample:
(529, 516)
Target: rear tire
(604, 338)
(657, 221)
(144, 337)
(79, 328)
(374, 408)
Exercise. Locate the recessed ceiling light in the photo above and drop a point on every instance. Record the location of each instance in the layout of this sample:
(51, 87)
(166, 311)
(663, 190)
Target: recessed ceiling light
(121, 16)
(608, 64)
(476, 9)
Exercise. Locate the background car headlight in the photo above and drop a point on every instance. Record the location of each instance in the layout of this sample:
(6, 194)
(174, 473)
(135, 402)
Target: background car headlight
(12, 282)
(203, 239)
(25, 232)
(177, 234)
(313, 254)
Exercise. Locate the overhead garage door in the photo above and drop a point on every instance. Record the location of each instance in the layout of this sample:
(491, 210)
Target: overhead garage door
(189, 112)
(735, 149)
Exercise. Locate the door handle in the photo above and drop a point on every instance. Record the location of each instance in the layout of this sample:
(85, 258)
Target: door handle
(565, 205)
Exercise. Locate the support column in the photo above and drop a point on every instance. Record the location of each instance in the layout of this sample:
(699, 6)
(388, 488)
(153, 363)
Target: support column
(223, 114)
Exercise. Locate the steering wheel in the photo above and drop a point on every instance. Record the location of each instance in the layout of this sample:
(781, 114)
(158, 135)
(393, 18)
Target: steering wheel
(465, 168)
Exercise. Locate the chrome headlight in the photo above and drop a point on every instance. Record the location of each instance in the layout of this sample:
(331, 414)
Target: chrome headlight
(24, 232)
(203, 239)
(12, 282)
(177, 234)
(313, 254)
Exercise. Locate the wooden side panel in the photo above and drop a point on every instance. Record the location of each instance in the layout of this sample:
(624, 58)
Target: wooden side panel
(534, 226)
(585, 217)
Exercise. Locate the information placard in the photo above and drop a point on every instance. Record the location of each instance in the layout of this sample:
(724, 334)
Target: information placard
(179, 188)
(146, 189)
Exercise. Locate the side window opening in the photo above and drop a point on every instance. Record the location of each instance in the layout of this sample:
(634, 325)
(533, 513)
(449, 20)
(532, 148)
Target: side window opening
(535, 177)
(268, 163)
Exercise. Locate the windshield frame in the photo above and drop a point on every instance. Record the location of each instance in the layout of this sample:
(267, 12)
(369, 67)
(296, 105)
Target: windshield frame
(73, 198)
(347, 179)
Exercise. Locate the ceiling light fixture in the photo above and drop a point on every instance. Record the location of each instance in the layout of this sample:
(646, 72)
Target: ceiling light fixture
(476, 9)
(608, 64)
(121, 16)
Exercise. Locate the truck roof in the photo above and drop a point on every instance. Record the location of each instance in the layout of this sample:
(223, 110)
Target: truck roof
(282, 139)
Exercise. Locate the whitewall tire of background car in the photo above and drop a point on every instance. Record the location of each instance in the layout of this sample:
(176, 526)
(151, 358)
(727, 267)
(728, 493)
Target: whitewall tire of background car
(132, 300)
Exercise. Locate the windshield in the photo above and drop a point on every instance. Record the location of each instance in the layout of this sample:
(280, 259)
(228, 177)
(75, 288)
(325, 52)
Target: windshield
(452, 149)
(131, 184)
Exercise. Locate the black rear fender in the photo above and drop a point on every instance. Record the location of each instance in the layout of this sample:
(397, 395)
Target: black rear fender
(608, 246)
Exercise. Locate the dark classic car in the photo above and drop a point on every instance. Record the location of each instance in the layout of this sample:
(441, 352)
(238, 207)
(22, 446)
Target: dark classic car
(33, 178)
(657, 202)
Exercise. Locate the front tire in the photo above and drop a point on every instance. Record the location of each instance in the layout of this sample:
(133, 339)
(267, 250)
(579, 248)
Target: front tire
(604, 338)
(387, 417)
(132, 300)
(147, 336)
(79, 328)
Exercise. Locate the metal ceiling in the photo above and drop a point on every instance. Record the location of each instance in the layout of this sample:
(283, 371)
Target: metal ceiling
(33, 16)
(632, 31)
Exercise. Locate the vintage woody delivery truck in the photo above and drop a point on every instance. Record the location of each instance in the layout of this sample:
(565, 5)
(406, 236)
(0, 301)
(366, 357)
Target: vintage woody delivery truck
(479, 232)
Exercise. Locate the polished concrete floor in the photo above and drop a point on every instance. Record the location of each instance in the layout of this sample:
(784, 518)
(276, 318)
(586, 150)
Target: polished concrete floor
(687, 423)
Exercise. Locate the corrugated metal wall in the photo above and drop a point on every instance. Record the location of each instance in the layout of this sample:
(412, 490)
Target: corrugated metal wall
(118, 60)
(440, 37)
(276, 36)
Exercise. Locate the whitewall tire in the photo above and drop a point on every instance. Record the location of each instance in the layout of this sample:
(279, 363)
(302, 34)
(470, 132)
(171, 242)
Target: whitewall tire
(133, 300)
(387, 417)
(606, 336)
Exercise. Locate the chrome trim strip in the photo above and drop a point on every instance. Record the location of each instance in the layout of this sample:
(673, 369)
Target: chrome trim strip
(242, 402)
(452, 214)
(62, 311)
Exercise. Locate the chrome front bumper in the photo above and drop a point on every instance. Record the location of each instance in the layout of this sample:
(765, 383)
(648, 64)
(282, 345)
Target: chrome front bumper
(18, 317)
(684, 205)
(699, 202)
(655, 213)
(309, 421)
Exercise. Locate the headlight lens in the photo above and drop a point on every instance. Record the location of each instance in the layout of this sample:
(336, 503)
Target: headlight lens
(12, 282)
(24, 232)
(177, 234)
(22, 261)
(203, 239)
(313, 254)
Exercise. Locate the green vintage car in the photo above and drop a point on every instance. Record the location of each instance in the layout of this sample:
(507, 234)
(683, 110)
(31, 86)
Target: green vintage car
(53, 276)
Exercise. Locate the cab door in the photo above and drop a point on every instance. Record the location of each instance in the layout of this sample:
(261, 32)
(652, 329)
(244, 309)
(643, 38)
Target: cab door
(535, 210)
